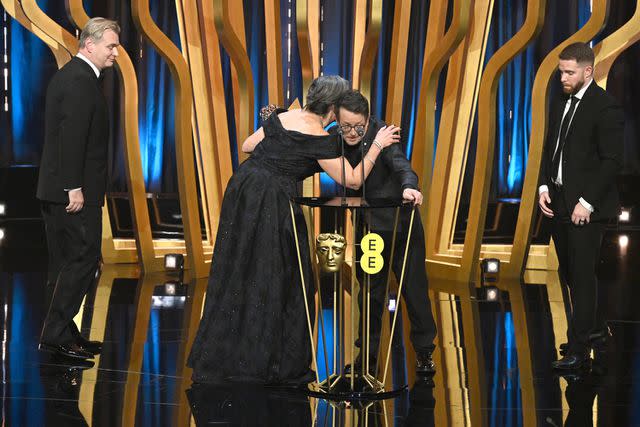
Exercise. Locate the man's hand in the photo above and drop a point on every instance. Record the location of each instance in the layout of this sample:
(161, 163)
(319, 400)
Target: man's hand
(76, 201)
(580, 215)
(414, 195)
(544, 201)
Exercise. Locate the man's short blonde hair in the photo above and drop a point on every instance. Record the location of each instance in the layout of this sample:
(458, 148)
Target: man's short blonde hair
(95, 29)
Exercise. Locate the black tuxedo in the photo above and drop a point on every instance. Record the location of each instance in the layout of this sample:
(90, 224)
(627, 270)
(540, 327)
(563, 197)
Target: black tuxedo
(74, 156)
(392, 174)
(593, 152)
(591, 157)
(76, 136)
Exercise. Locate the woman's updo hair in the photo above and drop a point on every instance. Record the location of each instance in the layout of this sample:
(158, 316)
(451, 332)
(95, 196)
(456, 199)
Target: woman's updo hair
(324, 93)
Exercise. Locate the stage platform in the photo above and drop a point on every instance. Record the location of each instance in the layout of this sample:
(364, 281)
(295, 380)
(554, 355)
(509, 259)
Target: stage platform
(493, 371)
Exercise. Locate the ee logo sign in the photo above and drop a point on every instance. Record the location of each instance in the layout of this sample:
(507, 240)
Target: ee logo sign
(371, 260)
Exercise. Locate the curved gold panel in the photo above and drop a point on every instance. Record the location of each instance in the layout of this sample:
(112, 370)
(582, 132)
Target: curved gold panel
(608, 50)
(458, 110)
(422, 156)
(528, 203)
(133, 162)
(202, 123)
(370, 47)
(304, 45)
(14, 9)
(184, 147)
(359, 32)
(217, 104)
(49, 26)
(238, 55)
(398, 65)
(487, 132)
(273, 42)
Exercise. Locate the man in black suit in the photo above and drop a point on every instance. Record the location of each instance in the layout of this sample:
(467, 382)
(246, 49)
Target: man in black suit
(392, 176)
(583, 152)
(72, 183)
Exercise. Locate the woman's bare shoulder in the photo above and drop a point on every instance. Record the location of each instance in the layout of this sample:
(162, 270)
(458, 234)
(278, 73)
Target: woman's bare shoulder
(300, 121)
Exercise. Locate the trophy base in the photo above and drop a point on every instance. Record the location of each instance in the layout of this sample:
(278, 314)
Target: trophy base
(365, 388)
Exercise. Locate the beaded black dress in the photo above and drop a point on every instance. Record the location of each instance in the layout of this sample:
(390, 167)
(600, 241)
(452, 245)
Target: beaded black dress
(254, 326)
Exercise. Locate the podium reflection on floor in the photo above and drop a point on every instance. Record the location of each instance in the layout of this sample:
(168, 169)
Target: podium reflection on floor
(493, 358)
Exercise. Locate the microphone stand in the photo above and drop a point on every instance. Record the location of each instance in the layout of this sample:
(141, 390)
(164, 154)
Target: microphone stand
(362, 153)
(343, 202)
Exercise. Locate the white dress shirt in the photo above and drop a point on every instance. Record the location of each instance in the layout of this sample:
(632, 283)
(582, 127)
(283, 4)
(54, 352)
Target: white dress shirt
(578, 95)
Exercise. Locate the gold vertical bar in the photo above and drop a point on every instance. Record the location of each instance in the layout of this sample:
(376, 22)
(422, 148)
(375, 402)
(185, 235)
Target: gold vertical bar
(14, 9)
(202, 123)
(227, 20)
(486, 134)
(370, 47)
(398, 65)
(184, 147)
(214, 79)
(273, 43)
(359, 32)
(608, 50)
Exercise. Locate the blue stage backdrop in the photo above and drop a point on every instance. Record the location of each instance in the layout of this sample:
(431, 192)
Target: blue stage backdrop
(30, 66)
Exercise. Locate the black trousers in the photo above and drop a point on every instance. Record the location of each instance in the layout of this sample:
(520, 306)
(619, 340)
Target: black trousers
(73, 242)
(578, 248)
(415, 291)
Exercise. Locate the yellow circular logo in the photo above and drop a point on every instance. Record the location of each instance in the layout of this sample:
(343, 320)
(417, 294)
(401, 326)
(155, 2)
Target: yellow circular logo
(372, 246)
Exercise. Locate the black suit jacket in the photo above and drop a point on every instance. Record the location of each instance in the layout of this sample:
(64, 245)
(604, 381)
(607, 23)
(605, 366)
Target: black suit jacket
(391, 174)
(592, 155)
(76, 136)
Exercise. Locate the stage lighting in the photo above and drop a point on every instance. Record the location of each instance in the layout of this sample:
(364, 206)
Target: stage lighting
(1, 234)
(392, 304)
(623, 241)
(490, 270)
(170, 288)
(492, 293)
(625, 215)
(3, 209)
(174, 262)
(490, 265)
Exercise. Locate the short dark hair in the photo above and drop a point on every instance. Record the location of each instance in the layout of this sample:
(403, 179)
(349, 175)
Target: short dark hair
(355, 102)
(324, 92)
(580, 52)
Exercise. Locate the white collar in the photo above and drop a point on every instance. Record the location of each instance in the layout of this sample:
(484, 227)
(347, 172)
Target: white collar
(88, 61)
(584, 88)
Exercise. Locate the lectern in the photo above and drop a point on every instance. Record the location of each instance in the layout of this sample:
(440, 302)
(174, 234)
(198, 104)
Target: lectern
(368, 383)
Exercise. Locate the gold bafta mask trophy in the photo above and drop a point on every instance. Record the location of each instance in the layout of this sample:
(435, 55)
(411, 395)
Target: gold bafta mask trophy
(330, 249)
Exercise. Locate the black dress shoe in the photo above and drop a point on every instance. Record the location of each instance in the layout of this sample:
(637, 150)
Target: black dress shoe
(71, 364)
(571, 361)
(424, 364)
(93, 347)
(597, 340)
(73, 350)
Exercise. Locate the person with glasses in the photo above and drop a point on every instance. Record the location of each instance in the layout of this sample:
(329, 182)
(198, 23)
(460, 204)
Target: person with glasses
(391, 176)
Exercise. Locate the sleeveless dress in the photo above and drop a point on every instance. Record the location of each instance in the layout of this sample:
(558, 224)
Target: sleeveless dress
(254, 326)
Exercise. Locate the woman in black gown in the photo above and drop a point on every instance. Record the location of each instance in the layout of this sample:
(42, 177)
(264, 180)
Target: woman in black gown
(253, 327)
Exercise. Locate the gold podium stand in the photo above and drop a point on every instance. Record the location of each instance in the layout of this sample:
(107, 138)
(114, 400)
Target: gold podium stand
(368, 383)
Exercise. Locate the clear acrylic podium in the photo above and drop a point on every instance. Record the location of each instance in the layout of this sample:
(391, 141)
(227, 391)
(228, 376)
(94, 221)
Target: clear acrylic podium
(368, 382)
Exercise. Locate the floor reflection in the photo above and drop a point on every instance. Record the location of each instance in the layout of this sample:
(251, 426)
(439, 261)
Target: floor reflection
(493, 359)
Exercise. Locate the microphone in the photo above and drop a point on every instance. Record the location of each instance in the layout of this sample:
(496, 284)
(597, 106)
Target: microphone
(360, 133)
(344, 173)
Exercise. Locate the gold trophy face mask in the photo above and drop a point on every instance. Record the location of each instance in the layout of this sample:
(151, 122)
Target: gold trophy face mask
(330, 249)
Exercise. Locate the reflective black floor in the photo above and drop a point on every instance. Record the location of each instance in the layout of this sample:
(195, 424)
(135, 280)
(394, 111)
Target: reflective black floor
(493, 357)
